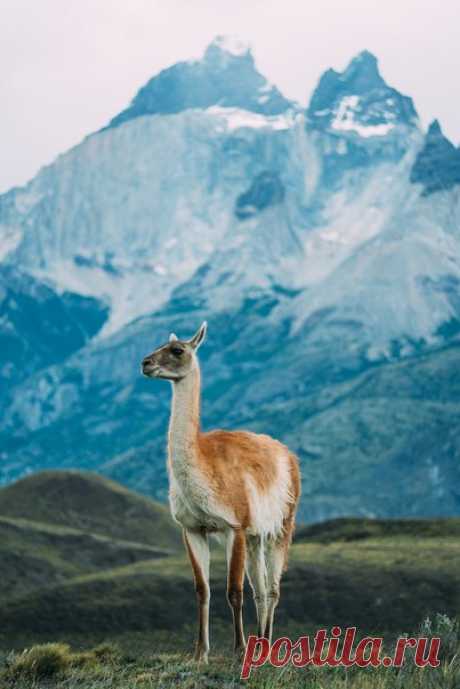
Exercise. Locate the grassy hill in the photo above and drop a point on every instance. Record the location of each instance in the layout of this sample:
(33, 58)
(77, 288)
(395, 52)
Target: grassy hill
(92, 504)
(58, 526)
(357, 528)
(82, 559)
(377, 584)
(35, 555)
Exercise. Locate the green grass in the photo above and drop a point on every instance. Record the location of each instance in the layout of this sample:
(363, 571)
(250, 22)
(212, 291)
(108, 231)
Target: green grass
(107, 666)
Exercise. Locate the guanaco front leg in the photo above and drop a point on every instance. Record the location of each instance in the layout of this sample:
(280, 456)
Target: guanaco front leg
(236, 554)
(197, 546)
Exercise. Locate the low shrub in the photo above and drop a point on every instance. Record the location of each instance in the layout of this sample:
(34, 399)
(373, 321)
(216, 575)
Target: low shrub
(107, 652)
(38, 662)
(447, 629)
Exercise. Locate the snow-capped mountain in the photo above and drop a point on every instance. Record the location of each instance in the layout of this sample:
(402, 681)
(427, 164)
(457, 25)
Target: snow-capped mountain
(226, 76)
(359, 102)
(323, 245)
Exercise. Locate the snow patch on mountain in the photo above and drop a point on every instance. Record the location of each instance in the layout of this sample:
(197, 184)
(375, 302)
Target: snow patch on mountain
(236, 118)
(345, 119)
(232, 45)
(226, 75)
(358, 101)
(9, 240)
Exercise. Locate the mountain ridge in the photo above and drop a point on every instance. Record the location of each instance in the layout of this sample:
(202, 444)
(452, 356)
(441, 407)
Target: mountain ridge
(313, 250)
(224, 76)
(359, 101)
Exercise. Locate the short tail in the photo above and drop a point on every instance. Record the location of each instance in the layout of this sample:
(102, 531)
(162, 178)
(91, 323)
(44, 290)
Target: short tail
(287, 533)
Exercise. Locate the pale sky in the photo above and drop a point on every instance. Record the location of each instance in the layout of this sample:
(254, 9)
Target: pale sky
(68, 66)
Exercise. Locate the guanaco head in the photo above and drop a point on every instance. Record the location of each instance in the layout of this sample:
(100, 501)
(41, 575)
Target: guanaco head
(174, 360)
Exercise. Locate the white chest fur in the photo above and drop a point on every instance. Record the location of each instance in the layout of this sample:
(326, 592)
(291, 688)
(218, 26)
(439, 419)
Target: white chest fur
(192, 501)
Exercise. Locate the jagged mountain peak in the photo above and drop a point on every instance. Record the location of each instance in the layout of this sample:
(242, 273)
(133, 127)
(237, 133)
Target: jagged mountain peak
(362, 72)
(225, 76)
(434, 130)
(437, 166)
(365, 61)
(358, 102)
(229, 46)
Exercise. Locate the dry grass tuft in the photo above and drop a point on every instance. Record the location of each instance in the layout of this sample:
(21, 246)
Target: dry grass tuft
(39, 662)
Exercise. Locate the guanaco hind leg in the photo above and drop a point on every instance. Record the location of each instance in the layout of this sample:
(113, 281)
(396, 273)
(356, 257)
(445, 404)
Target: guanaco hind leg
(257, 574)
(276, 558)
(275, 562)
(197, 546)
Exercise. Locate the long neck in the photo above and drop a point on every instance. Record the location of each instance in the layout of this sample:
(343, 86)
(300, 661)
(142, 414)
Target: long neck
(184, 424)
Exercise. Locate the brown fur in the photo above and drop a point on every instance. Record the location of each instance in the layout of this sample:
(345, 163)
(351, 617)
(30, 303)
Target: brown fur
(200, 584)
(235, 583)
(225, 457)
(201, 593)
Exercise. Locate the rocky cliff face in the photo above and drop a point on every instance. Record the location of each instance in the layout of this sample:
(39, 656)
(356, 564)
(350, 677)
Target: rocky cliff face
(322, 246)
(226, 76)
(437, 166)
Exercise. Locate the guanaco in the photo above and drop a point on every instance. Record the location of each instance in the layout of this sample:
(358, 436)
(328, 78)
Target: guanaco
(243, 485)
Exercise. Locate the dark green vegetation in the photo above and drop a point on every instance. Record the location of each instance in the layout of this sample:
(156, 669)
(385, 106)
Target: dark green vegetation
(355, 529)
(106, 666)
(83, 560)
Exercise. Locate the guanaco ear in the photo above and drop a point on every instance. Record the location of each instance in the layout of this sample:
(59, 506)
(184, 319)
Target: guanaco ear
(199, 336)
(173, 337)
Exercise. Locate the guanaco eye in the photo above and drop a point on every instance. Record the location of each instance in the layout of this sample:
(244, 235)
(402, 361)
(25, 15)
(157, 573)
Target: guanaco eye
(176, 351)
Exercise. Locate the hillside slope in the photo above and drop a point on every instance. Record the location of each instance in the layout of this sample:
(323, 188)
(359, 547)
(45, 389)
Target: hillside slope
(90, 504)
(83, 558)
(35, 555)
(378, 578)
